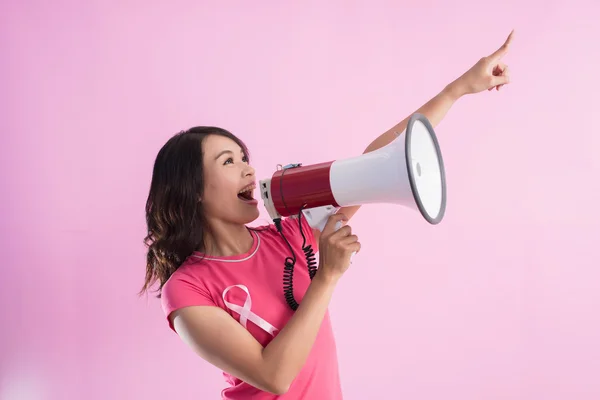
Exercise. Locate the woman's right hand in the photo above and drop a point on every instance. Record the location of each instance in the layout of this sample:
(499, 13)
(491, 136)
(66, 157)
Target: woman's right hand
(336, 248)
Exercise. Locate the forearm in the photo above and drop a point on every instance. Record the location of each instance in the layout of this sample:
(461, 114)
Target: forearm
(286, 354)
(435, 110)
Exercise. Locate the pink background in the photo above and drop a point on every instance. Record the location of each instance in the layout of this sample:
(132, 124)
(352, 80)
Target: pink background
(500, 301)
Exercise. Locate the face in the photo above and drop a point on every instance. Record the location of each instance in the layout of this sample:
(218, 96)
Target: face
(229, 182)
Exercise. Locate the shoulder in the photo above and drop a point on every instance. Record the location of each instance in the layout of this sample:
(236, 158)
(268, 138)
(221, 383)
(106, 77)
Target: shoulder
(181, 279)
(184, 289)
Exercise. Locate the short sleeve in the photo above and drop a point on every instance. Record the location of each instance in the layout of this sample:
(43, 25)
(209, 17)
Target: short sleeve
(292, 226)
(182, 291)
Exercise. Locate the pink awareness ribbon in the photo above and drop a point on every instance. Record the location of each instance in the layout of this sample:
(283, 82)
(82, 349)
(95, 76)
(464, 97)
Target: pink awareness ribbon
(246, 313)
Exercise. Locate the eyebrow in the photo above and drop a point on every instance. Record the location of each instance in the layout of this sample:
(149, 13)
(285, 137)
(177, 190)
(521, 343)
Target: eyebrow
(228, 152)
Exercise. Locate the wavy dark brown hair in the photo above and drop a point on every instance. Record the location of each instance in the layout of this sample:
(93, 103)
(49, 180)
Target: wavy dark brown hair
(175, 217)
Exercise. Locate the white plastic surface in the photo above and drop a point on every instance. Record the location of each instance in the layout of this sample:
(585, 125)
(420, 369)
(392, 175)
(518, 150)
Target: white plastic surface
(317, 218)
(382, 176)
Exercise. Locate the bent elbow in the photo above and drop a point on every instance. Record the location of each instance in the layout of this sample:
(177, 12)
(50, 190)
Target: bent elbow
(279, 389)
(279, 386)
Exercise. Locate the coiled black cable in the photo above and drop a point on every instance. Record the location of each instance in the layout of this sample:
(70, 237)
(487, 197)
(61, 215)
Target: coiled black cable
(290, 263)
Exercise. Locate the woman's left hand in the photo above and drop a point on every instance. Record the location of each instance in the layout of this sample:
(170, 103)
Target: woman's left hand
(489, 72)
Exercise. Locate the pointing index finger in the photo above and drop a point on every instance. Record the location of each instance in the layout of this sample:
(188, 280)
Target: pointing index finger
(503, 49)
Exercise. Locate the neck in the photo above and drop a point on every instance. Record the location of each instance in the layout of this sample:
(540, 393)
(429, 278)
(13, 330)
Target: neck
(225, 239)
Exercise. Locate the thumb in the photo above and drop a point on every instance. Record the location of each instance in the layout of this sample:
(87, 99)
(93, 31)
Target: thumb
(499, 80)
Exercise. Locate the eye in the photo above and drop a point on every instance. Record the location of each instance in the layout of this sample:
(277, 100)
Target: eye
(245, 159)
(229, 160)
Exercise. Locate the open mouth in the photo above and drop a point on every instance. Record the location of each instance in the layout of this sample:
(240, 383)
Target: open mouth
(247, 193)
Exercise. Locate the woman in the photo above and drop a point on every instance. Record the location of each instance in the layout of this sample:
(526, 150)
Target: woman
(221, 282)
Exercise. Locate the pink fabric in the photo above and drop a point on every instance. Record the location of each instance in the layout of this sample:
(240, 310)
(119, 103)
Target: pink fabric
(202, 282)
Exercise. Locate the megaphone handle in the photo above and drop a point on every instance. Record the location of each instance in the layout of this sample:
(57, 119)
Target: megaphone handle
(338, 225)
(317, 218)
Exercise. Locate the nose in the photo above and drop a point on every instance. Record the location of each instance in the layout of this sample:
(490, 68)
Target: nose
(248, 171)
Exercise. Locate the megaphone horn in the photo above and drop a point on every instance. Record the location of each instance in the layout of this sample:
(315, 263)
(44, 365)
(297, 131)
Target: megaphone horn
(409, 171)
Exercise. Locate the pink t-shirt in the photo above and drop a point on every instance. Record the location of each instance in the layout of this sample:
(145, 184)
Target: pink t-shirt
(255, 280)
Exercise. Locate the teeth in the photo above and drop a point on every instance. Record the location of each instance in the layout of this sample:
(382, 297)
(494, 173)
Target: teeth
(248, 188)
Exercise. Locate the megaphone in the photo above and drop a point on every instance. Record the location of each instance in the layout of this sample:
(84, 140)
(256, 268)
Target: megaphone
(409, 172)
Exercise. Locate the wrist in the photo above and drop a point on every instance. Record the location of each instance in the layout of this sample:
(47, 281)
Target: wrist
(324, 278)
(455, 90)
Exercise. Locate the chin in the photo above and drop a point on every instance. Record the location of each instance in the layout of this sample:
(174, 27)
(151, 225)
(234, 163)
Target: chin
(252, 216)
(247, 216)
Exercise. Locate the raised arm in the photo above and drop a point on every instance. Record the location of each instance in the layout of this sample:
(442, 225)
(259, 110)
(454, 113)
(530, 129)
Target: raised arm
(488, 73)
